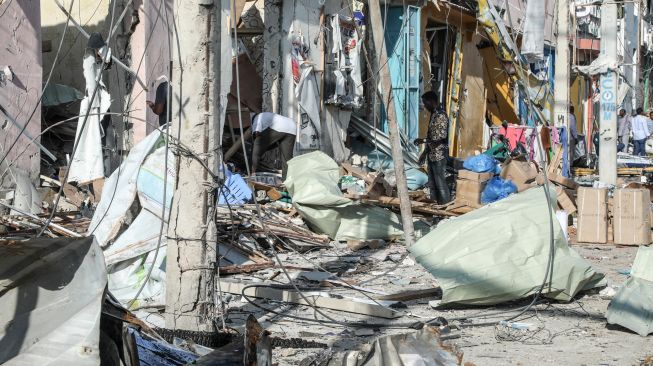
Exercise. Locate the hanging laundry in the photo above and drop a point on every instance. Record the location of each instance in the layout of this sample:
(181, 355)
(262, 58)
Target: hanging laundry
(87, 162)
(308, 95)
(533, 40)
(343, 84)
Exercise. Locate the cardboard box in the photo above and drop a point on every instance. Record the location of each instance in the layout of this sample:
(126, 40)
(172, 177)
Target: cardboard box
(519, 172)
(476, 177)
(632, 217)
(565, 201)
(592, 215)
(469, 192)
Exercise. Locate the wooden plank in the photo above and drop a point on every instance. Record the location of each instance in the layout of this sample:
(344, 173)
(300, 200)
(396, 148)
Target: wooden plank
(412, 295)
(559, 179)
(555, 163)
(319, 301)
(421, 207)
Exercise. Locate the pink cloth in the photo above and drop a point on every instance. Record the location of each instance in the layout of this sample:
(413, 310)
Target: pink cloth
(514, 135)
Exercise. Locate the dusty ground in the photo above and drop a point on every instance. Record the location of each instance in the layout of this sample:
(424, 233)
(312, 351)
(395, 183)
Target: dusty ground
(563, 333)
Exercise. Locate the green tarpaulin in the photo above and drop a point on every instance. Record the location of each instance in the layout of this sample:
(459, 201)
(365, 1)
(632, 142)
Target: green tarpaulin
(632, 306)
(499, 253)
(312, 181)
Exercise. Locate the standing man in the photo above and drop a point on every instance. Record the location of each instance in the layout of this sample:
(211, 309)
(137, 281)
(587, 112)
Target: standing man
(160, 104)
(437, 148)
(573, 135)
(269, 129)
(624, 126)
(640, 132)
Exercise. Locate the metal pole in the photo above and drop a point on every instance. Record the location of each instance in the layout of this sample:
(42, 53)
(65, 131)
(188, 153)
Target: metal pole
(395, 140)
(608, 87)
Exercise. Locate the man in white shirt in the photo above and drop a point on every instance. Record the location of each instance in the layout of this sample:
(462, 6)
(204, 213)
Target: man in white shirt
(270, 129)
(641, 132)
(624, 125)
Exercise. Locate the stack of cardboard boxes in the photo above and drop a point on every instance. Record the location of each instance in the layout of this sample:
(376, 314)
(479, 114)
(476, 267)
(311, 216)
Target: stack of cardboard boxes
(624, 219)
(469, 187)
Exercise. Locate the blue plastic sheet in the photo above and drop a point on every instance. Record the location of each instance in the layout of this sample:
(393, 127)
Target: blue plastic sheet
(235, 190)
(482, 163)
(497, 189)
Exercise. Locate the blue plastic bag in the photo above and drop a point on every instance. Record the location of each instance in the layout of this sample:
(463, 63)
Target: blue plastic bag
(481, 164)
(497, 189)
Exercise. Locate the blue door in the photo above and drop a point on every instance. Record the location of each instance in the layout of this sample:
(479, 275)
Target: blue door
(403, 45)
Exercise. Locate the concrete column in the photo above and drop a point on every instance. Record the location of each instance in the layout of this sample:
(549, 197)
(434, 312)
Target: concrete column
(630, 36)
(608, 86)
(191, 254)
(562, 62)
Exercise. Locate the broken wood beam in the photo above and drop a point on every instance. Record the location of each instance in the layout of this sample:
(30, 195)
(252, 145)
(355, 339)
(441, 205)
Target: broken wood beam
(54, 227)
(420, 207)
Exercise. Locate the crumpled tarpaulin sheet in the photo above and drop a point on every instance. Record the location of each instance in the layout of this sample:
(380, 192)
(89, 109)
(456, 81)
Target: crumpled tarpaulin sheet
(51, 295)
(130, 255)
(632, 306)
(110, 213)
(312, 181)
(499, 253)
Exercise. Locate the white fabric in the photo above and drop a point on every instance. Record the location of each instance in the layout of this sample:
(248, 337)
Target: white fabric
(640, 128)
(277, 122)
(308, 95)
(119, 193)
(533, 41)
(88, 163)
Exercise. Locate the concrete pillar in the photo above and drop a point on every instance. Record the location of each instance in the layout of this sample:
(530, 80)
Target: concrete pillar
(608, 86)
(202, 26)
(630, 36)
(562, 62)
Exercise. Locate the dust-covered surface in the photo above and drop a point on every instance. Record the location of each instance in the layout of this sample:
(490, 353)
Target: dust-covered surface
(573, 333)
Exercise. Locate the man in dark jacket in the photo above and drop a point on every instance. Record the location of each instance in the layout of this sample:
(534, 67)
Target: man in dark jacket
(437, 148)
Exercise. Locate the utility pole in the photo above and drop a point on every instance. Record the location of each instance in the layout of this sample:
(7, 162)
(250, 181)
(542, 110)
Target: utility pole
(630, 39)
(561, 82)
(395, 140)
(608, 89)
(197, 106)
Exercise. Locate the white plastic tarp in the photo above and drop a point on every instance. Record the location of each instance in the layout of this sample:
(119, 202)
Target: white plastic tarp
(632, 306)
(119, 192)
(499, 253)
(127, 277)
(51, 295)
(312, 181)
